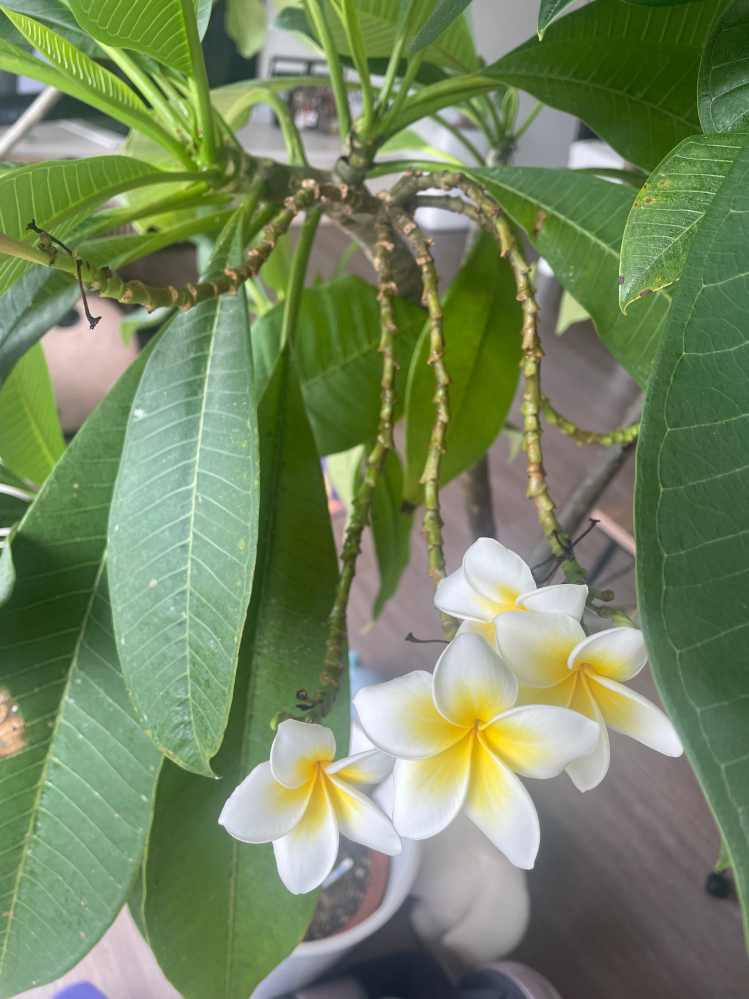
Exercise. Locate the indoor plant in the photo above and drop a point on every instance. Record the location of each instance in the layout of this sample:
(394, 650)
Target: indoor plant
(207, 449)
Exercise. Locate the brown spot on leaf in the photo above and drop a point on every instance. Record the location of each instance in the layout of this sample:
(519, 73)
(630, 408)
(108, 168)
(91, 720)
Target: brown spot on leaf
(621, 279)
(12, 739)
(646, 291)
(540, 219)
(649, 201)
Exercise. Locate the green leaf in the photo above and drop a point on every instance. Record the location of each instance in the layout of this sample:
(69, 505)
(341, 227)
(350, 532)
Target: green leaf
(12, 507)
(576, 223)
(154, 27)
(453, 48)
(217, 915)
(391, 531)
(56, 15)
(245, 24)
(339, 366)
(76, 800)
(78, 75)
(667, 213)
(570, 312)
(723, 87)
(30, 435)
(7, 571)
(692, 518)
(58, 195)
(481, 324)
(183, 527)
(551, 9)
(629, 72)
(30, 308)
(439, 20)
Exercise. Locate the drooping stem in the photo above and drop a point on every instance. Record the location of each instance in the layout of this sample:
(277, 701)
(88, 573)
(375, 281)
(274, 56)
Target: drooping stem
(322, 700)
(623, 435)
(432, 523)
(108, 285)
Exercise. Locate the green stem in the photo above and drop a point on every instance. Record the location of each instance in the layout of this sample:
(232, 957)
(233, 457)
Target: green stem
(320, 26)
(292, 138)
(201, 87)
(113, 218)
(350, 20)
(390, 74)
(147, 87)
(528, 121)
(414, 65)
(623, 435)
(458, 133)
(298, 273)
(399, 166)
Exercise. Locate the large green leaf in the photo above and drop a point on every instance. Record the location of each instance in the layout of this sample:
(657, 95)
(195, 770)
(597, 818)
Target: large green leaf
(56, 15)
(59, 194)
(441, 17)
(576, 223)
(31, 307)
(183, 527)
(481, 324)
(30, 435)
(629, 72)
(667, 212)
(157, 28)
(551, 9)
(217, 915)
(692, 518)
(723, 89)
(78, 75)
(75, 802)
(391, 531)
(340, 368)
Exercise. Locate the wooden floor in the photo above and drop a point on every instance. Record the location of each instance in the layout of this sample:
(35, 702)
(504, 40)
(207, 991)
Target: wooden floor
(618, 905)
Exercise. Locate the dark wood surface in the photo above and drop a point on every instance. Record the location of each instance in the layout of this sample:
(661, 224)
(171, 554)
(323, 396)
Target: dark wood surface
(619, 909)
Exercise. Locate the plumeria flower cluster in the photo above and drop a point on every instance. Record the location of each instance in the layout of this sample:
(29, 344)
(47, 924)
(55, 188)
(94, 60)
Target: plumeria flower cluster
(520, 690)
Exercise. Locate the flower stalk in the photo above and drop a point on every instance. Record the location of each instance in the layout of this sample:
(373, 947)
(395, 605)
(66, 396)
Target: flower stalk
(432, 523)
(622, 435)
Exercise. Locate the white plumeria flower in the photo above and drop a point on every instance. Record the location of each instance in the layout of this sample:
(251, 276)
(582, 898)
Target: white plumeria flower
(458, 740)
(300, 800)
(556, 664)
(493, 580)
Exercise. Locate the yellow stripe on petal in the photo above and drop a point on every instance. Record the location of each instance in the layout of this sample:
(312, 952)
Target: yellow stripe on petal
(560, 694)
(501, 807)
(618, 653)
(430, 793)
(630, 713)
(297, 749)
(471, 683)
(400, 718)
(361, 820)
(486, 630)
(587, 772)
(539, 740)
(370, 767)
(261, 809)
(305, 856)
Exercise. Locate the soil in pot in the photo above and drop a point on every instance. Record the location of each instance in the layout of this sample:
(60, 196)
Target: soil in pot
(353, 890)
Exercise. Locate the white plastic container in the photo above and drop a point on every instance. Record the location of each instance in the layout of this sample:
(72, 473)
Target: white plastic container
(312, 958)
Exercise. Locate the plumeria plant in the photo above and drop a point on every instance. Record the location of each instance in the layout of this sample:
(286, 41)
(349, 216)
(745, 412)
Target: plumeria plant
(173, 606)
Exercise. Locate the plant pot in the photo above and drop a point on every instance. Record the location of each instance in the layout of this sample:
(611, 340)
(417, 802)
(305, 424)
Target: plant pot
(312, 958)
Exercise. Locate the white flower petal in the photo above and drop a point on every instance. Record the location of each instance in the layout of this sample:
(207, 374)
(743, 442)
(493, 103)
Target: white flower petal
(630, 713)
(496, 573)
(305, 856)
(455, 596)
(539, 740)
(483, 628)
(563, 598)
(261, 809)
(428, 794)
(296, 750)
(361, 820)
(471, 682)
(559, 695)
(370, 767)
(502, 808)
(587, 772)
(536, 647)
(400, 718)
(618, 653)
